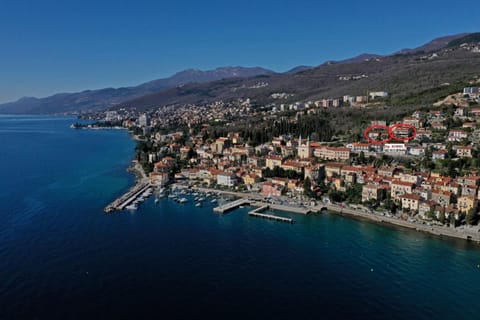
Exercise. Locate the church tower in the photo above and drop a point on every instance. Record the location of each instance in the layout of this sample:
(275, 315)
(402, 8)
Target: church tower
(304, 150)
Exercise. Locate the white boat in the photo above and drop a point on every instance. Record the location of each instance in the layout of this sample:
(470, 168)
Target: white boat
(182, 200)
(131, 207)
(201, 199)
(198, 205)
(213, 201)
(156, 200)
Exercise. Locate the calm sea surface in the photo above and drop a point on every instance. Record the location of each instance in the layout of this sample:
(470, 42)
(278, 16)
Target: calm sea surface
(61, 257)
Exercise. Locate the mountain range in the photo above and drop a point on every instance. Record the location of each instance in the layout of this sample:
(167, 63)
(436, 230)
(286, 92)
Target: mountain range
(405, 72)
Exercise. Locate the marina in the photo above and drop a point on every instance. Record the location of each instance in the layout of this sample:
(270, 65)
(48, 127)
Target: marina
(126, 201)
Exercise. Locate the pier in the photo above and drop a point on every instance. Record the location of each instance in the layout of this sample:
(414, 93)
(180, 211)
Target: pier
(257, 213)
(127, 198)
(231, 205)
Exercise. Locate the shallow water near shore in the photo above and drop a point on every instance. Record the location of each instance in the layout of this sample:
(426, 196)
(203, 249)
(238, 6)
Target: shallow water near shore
(62, 257)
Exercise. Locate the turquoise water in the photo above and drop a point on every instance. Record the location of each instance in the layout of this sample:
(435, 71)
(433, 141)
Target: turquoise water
(61, 257)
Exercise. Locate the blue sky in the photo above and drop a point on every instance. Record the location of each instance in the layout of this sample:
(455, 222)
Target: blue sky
(63, 46)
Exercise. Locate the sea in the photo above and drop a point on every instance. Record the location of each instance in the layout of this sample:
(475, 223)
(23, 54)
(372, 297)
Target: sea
(62, 257)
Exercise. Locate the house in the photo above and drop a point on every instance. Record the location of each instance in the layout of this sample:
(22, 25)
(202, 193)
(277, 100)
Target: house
(399, 188)
(287, 151)
(436, 114)
(416, 150)
(250, 179)
(273, 161)
(423, 133)
(190, 174)
(463, 151)
(416, 122)
(332, 153)
(443, 198)
(226, 179)
(465, 203)
(333, 169)
(459, 112)
(410, 178)
(346, 170)
(387, 171)
(373, 192)
(425, 194)
(292, 165)
(471, 180)
(471, 125)
(438, 126)
(313, 172)
(359, 147)
(221, 144)
(471, 91)
(271, 189)
(397, 148)
(410, 201)
(475, 112)
(256, 161)
(159, 178)
(378, 94)
(425, 207)
(457, 135)
(280, 181)
(439, 154)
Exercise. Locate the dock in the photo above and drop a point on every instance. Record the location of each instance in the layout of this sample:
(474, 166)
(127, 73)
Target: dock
(257, 213)
(231, 205)
(123, 201)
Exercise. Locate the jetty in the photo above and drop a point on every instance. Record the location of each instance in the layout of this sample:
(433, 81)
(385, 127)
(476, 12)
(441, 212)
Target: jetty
(258, 213)
(231, 205)
(132, 194)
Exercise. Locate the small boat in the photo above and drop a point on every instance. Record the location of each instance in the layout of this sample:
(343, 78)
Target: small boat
(156, 200)
(182, 200)
(213, 201)
(198, 205)
(131, 207)
(201, 199)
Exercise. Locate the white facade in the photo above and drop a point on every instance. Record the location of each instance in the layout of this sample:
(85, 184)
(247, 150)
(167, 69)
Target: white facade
(416, 151)
(111, 116)
(226, 179)
(398, 148)
(378, 94)
(143, 120)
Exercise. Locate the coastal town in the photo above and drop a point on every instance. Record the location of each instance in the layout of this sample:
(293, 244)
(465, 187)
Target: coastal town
(422, 168)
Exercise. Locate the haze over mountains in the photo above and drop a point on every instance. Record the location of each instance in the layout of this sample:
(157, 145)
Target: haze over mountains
(407, 71)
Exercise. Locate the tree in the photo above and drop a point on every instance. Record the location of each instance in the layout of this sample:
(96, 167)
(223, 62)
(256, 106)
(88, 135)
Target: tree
(431, 214)
(471, 217)
(307, 186)
(361, 157)
(441, 217)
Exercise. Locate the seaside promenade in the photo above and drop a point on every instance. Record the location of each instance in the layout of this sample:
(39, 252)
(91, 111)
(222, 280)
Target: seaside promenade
(442, 231)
